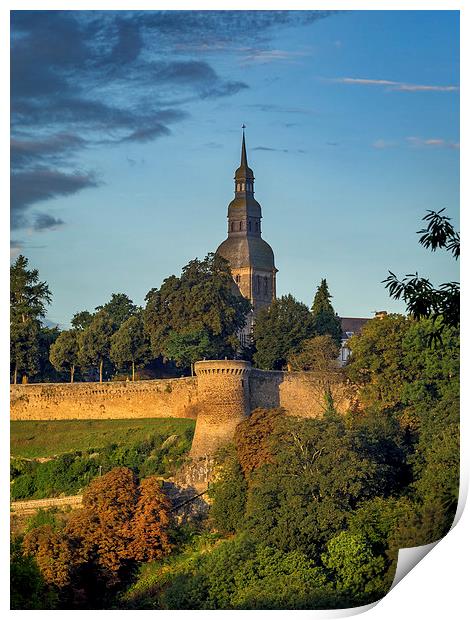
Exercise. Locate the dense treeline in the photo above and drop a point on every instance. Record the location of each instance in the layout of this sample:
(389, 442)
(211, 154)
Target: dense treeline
(197, 315)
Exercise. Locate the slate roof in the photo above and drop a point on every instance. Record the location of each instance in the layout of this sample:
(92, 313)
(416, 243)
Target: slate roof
(245, 251)
(352, 325)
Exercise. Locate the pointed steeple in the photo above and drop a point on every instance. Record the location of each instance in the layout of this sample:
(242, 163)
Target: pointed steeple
(243, 161)
(244, 177)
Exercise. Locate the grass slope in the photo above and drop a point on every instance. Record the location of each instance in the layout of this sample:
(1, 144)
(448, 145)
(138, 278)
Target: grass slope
(36, 439)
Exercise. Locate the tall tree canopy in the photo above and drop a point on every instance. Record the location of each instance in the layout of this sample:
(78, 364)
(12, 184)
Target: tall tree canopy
(95, 342)
(63, 353)
(325, 319)
(119, 308)
(28, 296)
(81, 320)
(279, 332)
(186, 348)
(28, 300)
(130, 344)
(203, 298)
(319, 354)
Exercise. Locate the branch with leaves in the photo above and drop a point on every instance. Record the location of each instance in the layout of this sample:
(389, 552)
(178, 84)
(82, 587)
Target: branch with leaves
(422, 299)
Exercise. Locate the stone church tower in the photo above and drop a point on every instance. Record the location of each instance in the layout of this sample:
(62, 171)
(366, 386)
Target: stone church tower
(251, 258)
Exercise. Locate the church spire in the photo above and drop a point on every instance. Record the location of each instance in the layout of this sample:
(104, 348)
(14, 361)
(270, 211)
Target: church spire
(243, 161)
(244, 177)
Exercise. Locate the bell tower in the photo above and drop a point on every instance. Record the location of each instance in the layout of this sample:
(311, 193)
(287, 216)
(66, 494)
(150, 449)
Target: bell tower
(251, 258)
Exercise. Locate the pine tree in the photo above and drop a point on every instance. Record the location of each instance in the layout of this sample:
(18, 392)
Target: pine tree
(325, 319)
(28, 300)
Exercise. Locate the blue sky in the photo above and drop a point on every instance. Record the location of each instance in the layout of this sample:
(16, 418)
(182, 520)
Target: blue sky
(126, 135)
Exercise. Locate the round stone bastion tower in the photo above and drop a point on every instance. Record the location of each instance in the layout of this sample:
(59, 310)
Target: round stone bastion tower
(223, 402)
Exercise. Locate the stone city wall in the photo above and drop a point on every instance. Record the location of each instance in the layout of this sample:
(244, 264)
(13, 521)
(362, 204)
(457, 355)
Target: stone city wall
(222, 394)
(299, 393)
(161, 398)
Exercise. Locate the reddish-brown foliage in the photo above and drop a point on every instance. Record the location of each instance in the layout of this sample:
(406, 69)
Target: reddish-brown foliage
(149, 526)
(120, 521)
(253, 438)
(53, 552)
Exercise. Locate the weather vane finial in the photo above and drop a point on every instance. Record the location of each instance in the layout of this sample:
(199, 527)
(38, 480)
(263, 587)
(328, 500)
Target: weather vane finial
(243, 126)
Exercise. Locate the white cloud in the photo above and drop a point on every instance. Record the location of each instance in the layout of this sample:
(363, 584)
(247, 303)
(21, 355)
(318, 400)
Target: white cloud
(264, 55)
(432, 142)
(397, 86)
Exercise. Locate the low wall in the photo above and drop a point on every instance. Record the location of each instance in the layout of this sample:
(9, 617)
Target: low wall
(161, 398)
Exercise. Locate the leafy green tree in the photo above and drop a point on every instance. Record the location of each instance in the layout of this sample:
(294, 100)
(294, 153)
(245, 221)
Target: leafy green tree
(64, 352)
(354, 567)
(95, 342)
(421, 298)
(279, 332)
(325, 319)
(377, 363)
(119, 308)
(46, 338)
(28, 300)
(316, 479)
(185, 348)
(24, 349)
(404, 380)
(318, 354)
(81, 320)
(130, 344)
(228, 493)
(202, 299)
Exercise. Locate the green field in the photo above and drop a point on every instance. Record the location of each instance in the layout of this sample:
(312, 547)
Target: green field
(36, 439)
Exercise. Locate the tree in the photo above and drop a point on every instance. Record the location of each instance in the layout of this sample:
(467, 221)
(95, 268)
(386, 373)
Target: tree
(202, 299)
(81, 320)
(119, 308)
(317, 477)
(64, 352)
(24, 348)
(121, 522)
(28, 300)
(101, 528)
(279, 332)
(150, 523)
(228, 492)
(318, 354)
(53, 553)
(28, 589)
(185, 348)
(355, 568)
(254, 438)
(325, 319)
(28, 296)
(46, 338)
(95, 342)
(130, 344)
(421, 298)
(377, 362)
